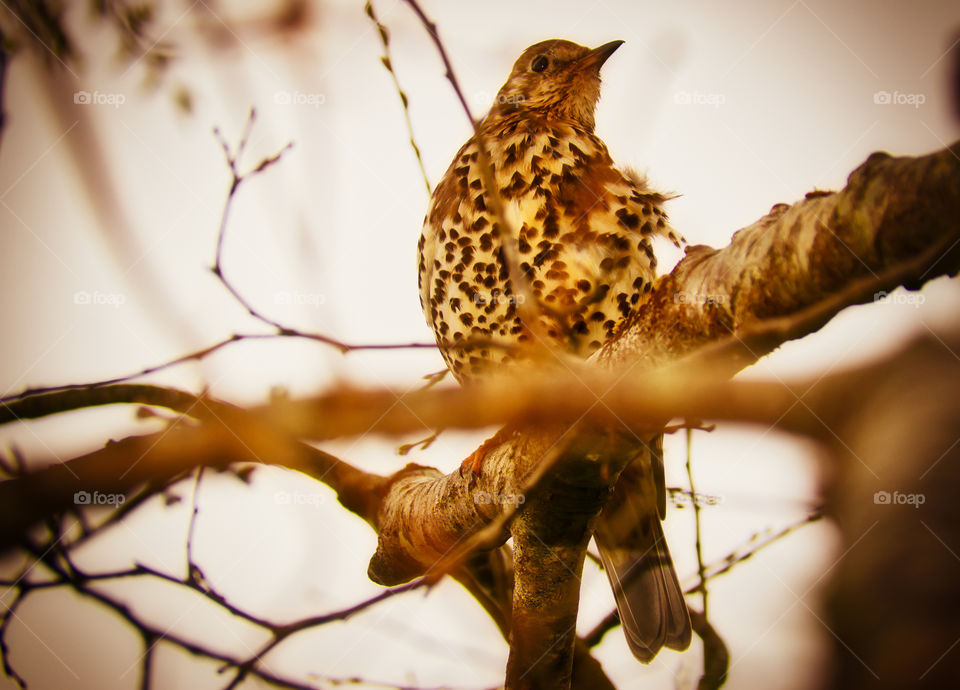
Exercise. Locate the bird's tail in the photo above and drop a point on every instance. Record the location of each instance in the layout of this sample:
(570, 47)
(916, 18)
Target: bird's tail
(634, 553)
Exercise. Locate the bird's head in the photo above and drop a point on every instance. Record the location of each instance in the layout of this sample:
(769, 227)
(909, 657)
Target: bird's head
(555, 78)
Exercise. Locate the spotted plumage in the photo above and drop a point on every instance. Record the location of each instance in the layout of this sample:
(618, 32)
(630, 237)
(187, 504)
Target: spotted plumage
(578, 232)
(581, 228)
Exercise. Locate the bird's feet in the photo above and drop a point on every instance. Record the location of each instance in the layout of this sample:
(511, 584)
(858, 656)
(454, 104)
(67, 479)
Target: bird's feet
(475, 460)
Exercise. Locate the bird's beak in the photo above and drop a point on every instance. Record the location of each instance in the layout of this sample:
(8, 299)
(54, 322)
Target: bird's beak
(596, 57)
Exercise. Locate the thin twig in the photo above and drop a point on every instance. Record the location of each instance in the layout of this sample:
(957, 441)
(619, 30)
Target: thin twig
(130, 505)
(387, 61)
(36, 405)
(756, 543)
(528, 307)
(696, 522)
(238, 179)
(146, 664)
(280, 633)
(8, 615)
(716, 656)
(435, 37)
(4, 61)
(200, 354)
(64, 573)
(711, 571)
(194, 573)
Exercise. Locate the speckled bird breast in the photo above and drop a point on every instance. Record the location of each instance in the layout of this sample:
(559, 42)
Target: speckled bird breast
(581, 232)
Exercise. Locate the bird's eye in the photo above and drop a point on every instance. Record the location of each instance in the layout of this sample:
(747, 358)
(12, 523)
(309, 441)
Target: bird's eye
(540, 63)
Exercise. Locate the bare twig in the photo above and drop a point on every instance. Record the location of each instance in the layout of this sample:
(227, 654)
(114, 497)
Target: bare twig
(35, 404)
(238, 179)
(4, 61)
(200, 354)
(696, 521)
(753, 545)
(756, 543)
(195, 575)
(435, 37)
(55, 557)
(282, 632)
(716, 656)
(388, 63)
(6, 617)
(528, 308)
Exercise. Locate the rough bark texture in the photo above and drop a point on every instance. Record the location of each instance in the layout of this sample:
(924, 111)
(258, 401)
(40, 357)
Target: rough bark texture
(892, 210)
(550, 537)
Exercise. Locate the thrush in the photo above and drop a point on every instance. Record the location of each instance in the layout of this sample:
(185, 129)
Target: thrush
(573, 234)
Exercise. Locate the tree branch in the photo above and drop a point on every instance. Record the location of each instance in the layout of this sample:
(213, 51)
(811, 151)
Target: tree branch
(895, 223)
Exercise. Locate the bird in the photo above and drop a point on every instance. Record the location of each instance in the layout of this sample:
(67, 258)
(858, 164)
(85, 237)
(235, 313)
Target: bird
(556, 259)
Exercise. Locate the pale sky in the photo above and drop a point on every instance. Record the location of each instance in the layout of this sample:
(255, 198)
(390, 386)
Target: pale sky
(735, 106)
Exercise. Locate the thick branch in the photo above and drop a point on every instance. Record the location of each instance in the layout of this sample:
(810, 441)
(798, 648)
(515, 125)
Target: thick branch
(45, 404)
(458, 503)
(233, 436)
(894, 224)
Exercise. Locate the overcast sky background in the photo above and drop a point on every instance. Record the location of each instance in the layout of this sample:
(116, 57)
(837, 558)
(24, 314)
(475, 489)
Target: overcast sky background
(735, 106)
